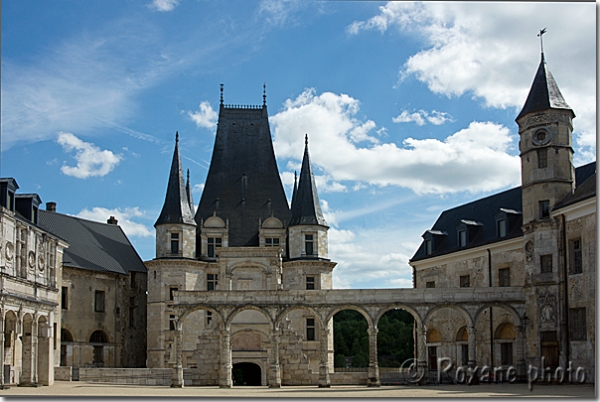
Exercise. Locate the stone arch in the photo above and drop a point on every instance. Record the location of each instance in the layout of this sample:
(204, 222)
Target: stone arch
(193, 309)
(433, 336)
(214, 222)
(362, 311)
(504, 339)
(249, 342)
(98, 336)
(248, 264)
(469, 320)
(11, 322)
(231, 315)
(511, 310)
(505, 331)
(43, 327)
(272, 223)
(249, 368)
(65, 335)
(412, 311)
(283, 313)
(462, 335)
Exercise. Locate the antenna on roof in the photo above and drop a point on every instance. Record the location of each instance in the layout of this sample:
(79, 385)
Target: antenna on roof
(221, 94)
(264, 94)
(542, 32)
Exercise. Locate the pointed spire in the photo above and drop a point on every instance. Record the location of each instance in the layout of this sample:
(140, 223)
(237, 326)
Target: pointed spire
(544, 93)
(188, 190)
(295, 187)
(176, 208)
(264, 94)
(306, 209)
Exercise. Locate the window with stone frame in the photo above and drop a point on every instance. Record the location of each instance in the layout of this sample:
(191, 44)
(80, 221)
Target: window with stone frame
(546, 263)
(310, 283)
(428, 246)
(465, 281)
(462, 238)
(172, 291)
(308, 244)
(212, 280)
(98, 355)
(430, 284)
(209, 318)
(501, 227)
(544, 209)
(464, 355)
(174, 243)
(99, 301)
(172, 326)
(271, 241)
(212, 244)
(64, 298)
(542, 156)
(310, 329)
(133, 282)
(575, 259)
(432, 357)
(577, 324)
(504, 277)
(506, 353)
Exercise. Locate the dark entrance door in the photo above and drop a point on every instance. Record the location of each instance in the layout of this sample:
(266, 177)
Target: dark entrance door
(246, 374)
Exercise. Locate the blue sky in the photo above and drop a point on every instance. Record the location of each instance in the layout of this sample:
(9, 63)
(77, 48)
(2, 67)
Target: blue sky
(409, 107)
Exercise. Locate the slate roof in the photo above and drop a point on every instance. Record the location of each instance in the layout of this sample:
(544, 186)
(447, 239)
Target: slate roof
(485, 209)
(176, 208)
(93, 246)
(544, 93)
(305, 202)
(243, 183)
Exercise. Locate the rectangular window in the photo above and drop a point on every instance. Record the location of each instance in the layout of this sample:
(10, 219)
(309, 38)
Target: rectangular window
(577, 324)
(133, 283)
(212, 280)
(172, 322)
(502, 228)
(308, 244)
(208, 318)
(131, 311)
(544, 209)
(430, 284)
(213, 243)
(546, 263)
(465, 281)
(64, 298)
(428, 247)
(310, 283)
(462, 238)
(506, 353)
(575, 256)
(55, 334)
(542, 155)
(272, 242)
(99, 301)
(174, 243)
(98, 352)
(464, 354)
(432, 357)
(172, 291)
(504, 277)
(310, 329)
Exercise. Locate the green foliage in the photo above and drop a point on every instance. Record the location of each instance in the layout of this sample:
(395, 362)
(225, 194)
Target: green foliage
(394, 339)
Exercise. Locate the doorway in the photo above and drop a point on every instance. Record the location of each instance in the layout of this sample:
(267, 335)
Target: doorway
(248, 374)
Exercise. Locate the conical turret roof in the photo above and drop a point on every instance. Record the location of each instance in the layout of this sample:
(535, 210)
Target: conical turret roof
(176, 208)
(544, 93)
(188, 190)
(306, 209)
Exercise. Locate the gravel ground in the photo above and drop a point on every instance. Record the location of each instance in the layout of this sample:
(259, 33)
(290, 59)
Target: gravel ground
(83, 389)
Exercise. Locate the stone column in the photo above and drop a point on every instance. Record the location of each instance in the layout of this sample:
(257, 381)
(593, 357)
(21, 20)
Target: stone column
(2, 329)
(177, 374)
(225, 375)
(274, 372)
(422, 360)
(520, 349)
(472, 358)
(29, 349)
(373, 371)
(324, 380)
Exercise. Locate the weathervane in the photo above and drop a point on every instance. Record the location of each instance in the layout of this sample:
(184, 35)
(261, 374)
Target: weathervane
(542, 32)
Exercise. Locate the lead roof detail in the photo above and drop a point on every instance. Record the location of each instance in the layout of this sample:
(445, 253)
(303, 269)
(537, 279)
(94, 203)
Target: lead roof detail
(243, 185)
(305, 204)
(176, 208)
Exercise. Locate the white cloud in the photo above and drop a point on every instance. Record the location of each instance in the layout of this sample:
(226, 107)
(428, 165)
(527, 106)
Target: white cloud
(205, 116)
(474, 159)
(198, 188)
(124, 217)
(435, 117)
(163, 5)
(91, 160)
(489, 50)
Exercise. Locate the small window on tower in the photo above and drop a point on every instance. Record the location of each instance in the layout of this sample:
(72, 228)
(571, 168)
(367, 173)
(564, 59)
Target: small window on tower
(544, 209)
(310, 283)
(542, 155)
(546, 263)
(212, 280)
(172, 291)
(174, 243)
(308, 244)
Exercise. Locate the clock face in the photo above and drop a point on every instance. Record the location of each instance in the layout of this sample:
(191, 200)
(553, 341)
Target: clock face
(541, 136)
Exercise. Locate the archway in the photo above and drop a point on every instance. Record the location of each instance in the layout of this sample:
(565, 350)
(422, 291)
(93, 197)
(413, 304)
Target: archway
(350, 339)
(66, 346)
(10, 338)
(246, 374)
(395, 338)
(98, 339)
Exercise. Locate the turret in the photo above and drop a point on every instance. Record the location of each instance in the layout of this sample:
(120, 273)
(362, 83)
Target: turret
(308, 228)
(175, 226)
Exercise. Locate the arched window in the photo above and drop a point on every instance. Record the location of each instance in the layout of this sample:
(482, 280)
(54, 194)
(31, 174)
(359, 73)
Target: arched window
(98, 337)
(65, 335)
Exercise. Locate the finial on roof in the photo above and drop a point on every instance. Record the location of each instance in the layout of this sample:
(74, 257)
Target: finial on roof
(542, 32)
(264, 94)
(221, 94)
(188, 175)
(176, 136)
(306, 139)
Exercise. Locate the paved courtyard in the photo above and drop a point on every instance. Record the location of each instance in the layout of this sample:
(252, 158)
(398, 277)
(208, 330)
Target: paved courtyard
(83, 389)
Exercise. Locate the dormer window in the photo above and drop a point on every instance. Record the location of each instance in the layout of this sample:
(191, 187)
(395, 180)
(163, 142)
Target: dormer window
(467, 232)
(462, 237)
(429, 246)
(432, 240)
(213, 243)
(272, 242)
(501, 227)
(507, 220)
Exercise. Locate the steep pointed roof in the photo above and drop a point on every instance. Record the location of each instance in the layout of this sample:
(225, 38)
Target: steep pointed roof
(176, 208)
(544, 93)
(188, 190)
(295, 187)
(243, 184)
(306, 209)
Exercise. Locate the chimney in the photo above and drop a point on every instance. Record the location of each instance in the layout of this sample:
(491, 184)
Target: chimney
(51, 206)
(112, 221)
